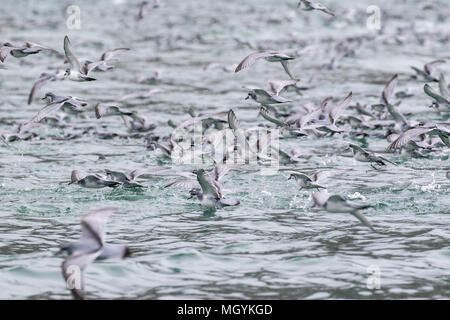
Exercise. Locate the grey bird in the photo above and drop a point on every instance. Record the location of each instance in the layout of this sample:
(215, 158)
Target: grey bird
(107, 110)
(440, 129)
(140, 95)
(102, 64)
(93, 181)
(385, 101)
(337, 204)
(22, 132)
(263, 97)
(75, 72)
(325, 119)
(137, 123)
(210, 194)
(191, 181)
(125, 179)
(365, 156)
(271, 56)
(309, 6)
(275, 87)
(438, 99)
(67, 104)
(144, 6)
(21, 51)
(307, 182)
(90, 247)
(58, 75)
(426, 74)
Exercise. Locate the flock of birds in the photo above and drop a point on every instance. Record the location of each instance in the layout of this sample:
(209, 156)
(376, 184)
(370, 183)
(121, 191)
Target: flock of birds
(405, 136)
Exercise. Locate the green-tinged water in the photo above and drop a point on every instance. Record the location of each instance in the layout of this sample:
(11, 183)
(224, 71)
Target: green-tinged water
(274, 244)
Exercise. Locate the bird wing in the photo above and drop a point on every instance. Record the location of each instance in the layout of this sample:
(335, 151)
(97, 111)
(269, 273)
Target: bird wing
(431, 65)
(358, 148)
(70, 56)
(185, 183)
(321, 7)
(418, 71)
(4, 51)
(221, 170)
(77, 175)
(363, 219)
(107, 55)
(299, 175)
(284, 63)
(252, 58)
(144, 171)
(89, 67)
(80, 260)
(142, 8)
(308, 117)
(389, 89)
(101, 109)
(93, 225)
(443, 87)
(39, 46)
(406, 136)
(322, 175)
(336, 112)
(387, 160)
(233, 122)
(276, 86)
(266, 115)
(207, 186)
(37, 85)
(431, 93)
(44, 112)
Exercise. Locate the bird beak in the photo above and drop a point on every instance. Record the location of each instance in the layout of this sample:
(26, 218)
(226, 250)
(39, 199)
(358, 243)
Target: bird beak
(290, 177)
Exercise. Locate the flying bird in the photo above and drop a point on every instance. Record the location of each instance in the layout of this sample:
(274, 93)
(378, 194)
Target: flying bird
(270, 56)
(90, 247)
(75, 72)
(309, 6)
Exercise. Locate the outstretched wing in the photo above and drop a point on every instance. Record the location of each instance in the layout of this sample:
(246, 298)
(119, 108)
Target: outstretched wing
(44, 112)
(93, 225)
(336, 112)
(266, 115)
(80, 261)
(70, 56)
(389, 89)
(207, 186)
(37, 85)
(276, 86)
(407, 136)
(431, 65)
(443, 87)
(107, 55)
(252, 58)
(431, 93)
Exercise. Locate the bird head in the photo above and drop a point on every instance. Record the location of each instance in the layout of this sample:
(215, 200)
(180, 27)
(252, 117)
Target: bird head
(194, 192)
(49, 97)
(251, 95)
